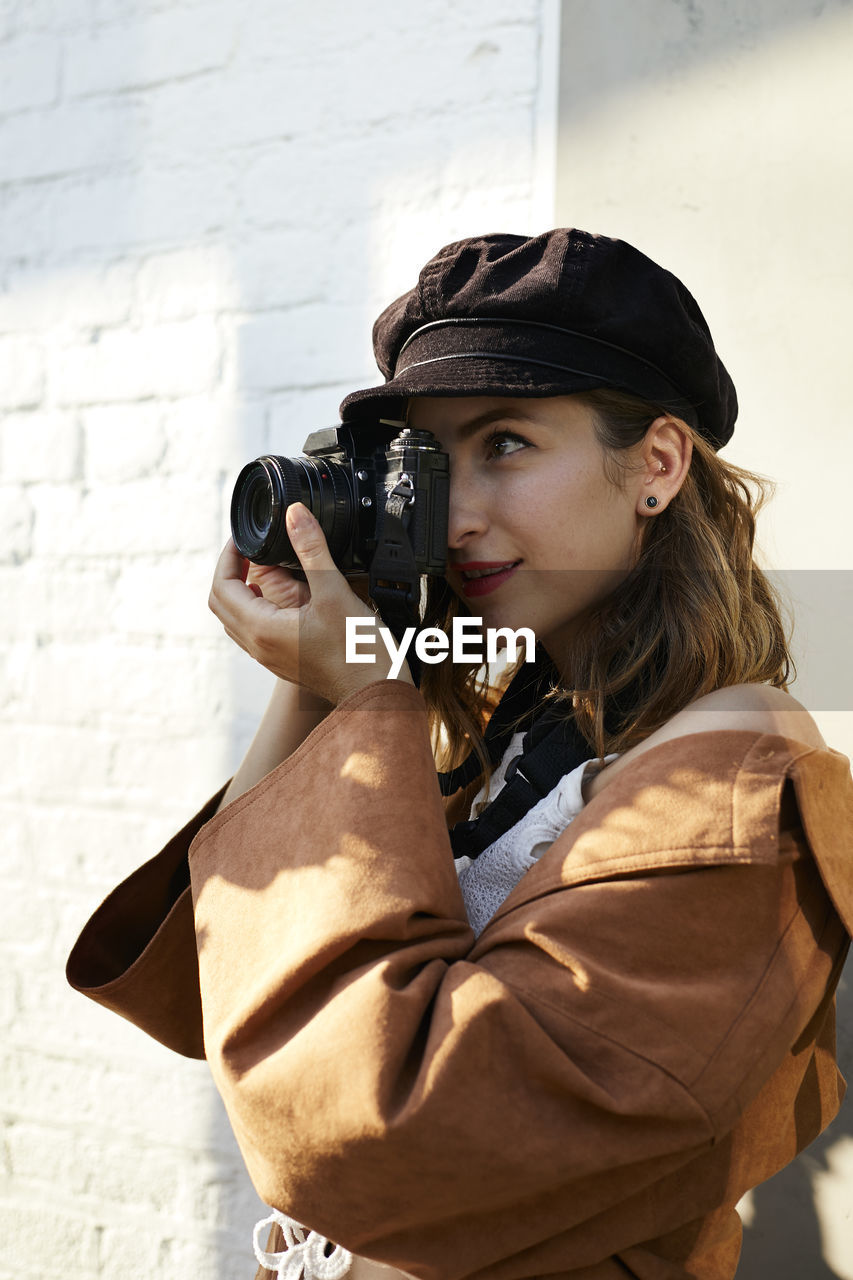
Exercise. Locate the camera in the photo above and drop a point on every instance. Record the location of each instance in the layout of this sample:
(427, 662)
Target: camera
(379, 490)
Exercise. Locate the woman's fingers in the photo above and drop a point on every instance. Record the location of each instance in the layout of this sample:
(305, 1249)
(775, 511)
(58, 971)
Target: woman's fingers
(229, 578)
(279, 585)
(245, 614)
(304, 641)
(231, 564)
(308, 541)
(297, 631)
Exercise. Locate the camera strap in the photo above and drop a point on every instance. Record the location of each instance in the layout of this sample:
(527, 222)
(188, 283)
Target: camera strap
(552, 747)
(528, 687)
(395, 583)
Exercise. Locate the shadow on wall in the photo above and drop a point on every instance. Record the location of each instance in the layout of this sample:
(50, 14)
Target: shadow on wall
(681, 129)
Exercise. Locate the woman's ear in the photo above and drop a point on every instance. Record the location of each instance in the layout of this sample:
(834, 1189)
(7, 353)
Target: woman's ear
(664, 462)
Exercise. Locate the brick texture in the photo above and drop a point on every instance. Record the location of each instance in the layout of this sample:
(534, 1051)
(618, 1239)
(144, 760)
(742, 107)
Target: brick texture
(205, 203)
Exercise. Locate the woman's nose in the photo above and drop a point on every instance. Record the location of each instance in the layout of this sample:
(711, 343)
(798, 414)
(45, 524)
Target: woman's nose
(468, 514)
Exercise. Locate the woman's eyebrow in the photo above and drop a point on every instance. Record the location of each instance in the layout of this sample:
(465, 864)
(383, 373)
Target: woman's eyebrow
(473, 425)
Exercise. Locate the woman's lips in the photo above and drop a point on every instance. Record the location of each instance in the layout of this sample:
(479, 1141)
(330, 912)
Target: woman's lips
(480, 577)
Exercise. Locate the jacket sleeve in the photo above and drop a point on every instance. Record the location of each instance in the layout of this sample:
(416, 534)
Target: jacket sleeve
(417, 1098)
(137, 954)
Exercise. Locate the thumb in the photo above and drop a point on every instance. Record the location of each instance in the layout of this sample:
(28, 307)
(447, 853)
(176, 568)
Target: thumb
(309, 543)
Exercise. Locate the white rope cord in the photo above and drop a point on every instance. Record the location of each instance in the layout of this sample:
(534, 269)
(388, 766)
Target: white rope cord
(304, 1257)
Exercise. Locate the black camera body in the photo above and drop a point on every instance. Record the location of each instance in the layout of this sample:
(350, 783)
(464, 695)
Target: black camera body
(379, 490)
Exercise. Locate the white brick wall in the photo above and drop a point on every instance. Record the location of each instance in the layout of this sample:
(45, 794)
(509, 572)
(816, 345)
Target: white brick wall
(204, 204)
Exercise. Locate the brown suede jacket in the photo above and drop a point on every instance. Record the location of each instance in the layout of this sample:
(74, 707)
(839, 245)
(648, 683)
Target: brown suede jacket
(643, 1031)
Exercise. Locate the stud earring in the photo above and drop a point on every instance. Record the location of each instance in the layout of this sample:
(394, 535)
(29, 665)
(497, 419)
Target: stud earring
(662, 470)
(651, 500)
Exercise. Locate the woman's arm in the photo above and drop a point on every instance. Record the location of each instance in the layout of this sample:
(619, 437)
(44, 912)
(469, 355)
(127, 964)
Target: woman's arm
(137, 954)
(290, 716)
(271, 614)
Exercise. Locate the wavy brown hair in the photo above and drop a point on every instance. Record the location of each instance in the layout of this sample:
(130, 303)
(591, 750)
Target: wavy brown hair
(694, 614)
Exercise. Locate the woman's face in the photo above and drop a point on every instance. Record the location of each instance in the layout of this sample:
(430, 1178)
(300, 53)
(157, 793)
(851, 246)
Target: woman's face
(537, 531)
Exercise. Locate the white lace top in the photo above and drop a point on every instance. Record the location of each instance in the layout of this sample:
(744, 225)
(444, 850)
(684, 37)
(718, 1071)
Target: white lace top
(488, 880)
(485, 883)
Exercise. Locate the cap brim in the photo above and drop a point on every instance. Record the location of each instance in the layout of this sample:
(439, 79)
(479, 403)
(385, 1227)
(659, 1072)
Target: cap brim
(465, 376)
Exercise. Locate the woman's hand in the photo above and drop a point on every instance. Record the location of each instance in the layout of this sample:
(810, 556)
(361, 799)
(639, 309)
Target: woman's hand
(297, 629)
(278, 585)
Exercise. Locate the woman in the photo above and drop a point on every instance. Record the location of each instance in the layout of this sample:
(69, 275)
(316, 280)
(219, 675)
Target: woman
(570, 1053)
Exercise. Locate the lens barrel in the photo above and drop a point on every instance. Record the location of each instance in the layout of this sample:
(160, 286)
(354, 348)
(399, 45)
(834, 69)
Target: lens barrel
(265, 489)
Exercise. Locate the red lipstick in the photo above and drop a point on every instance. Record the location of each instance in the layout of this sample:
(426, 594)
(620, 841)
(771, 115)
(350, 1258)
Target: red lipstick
(488, 575)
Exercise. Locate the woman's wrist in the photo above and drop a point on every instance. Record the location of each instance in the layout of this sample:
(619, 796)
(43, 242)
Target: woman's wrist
(355, 677)
(292, 713)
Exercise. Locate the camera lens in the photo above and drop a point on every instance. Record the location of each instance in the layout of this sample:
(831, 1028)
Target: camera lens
(265, 489)
(261, 512)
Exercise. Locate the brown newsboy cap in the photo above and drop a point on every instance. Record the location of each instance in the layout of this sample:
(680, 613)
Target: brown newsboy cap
(549, 315)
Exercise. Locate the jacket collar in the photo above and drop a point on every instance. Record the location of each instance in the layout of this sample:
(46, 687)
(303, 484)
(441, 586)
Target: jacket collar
(708, 799)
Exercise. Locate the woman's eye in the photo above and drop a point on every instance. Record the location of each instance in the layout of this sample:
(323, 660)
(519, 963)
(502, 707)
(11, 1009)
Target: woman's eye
(502, 443)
